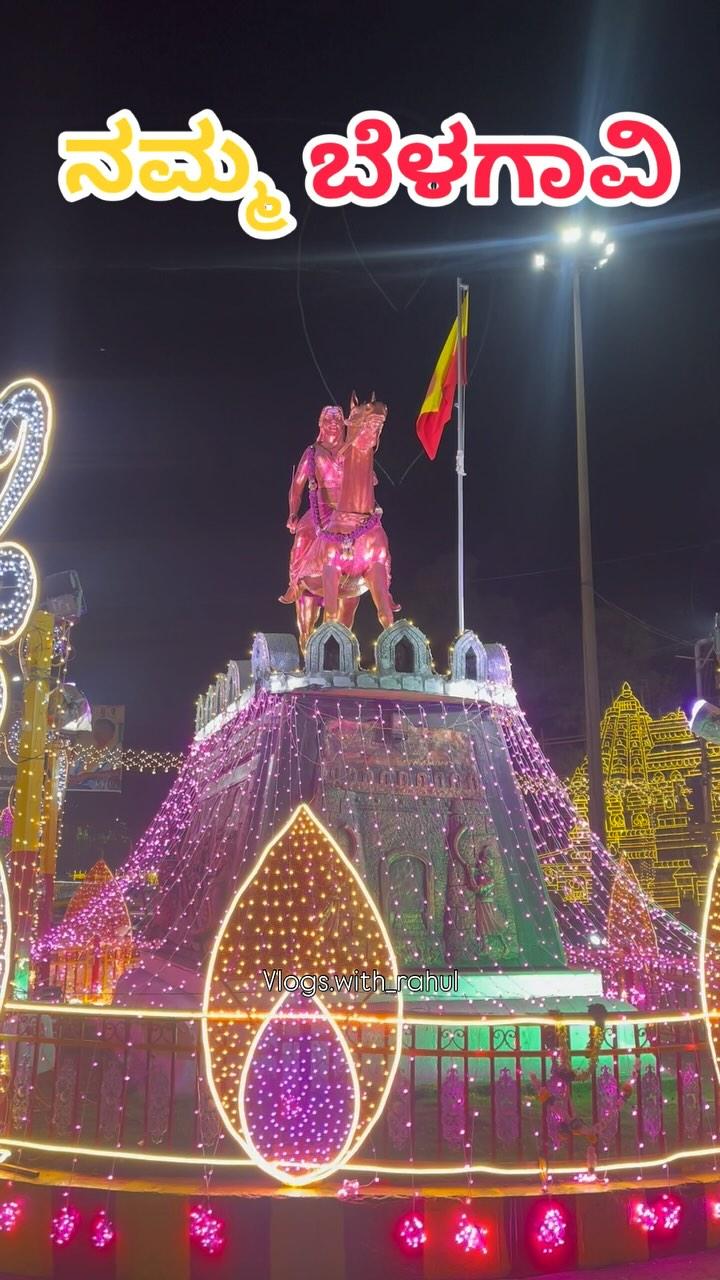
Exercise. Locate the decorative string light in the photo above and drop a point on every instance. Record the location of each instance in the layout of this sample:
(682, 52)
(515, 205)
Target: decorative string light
(643, 1216)
(471, 1237)
(137, 758)
(10, 1214)
(102, 1231)
(669, 1212)
(350, 1189)
(65, 1224)
(551, 1230)
(411, 1233)
(207, 1229)
(662, 978)
(663, 1216)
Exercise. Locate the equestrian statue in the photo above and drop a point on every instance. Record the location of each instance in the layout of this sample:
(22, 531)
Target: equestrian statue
(340, 548)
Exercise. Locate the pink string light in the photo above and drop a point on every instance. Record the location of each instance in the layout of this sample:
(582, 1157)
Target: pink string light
(64, 1226)
(102, 1231)
(471, 1237)
(663, 1216)
(411, 1233)
(207, 1230)
(10, 1214)
(551, 1230)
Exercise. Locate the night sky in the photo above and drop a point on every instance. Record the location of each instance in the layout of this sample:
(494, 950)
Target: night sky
(188, 363)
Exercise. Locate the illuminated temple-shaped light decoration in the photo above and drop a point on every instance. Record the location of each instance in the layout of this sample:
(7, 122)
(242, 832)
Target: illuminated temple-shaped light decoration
(299, 1079)
(88, 969)
(652, 771)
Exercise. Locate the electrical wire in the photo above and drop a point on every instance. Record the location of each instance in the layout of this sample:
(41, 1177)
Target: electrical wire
(301, 308)
(633, 617)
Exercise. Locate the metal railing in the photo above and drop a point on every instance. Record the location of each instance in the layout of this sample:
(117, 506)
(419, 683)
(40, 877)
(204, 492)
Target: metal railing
(479, 1093)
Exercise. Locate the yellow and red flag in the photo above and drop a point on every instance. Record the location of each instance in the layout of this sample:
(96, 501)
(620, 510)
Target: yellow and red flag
(437, 406)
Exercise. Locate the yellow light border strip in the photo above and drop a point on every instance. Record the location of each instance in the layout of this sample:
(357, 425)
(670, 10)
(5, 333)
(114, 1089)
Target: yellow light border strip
(351, 1166)
(408, 1019)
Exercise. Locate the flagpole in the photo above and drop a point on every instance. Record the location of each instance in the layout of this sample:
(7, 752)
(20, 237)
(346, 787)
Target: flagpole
(460, 460)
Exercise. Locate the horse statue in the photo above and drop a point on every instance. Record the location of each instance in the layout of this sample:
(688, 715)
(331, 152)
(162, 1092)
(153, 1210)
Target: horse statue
(349, 553)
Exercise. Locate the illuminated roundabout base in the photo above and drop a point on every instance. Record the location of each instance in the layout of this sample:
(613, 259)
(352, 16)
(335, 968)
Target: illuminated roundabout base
(305, 1234)
(155, 1116)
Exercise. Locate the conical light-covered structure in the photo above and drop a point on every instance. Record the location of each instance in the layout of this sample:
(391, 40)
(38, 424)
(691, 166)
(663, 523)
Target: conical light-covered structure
(433, 787)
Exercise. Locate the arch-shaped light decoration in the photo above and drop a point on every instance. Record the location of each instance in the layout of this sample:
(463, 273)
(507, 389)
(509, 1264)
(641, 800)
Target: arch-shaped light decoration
(26, 421)
(25, 432)
(710, 963)
(300, 1079)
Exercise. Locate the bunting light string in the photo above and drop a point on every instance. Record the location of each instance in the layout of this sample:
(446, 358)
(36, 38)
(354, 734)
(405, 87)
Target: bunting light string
(134, 758)
(133, 874)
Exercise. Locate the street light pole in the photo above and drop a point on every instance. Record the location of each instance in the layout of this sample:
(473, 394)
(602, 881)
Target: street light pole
(596, 811)
(586, 250)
